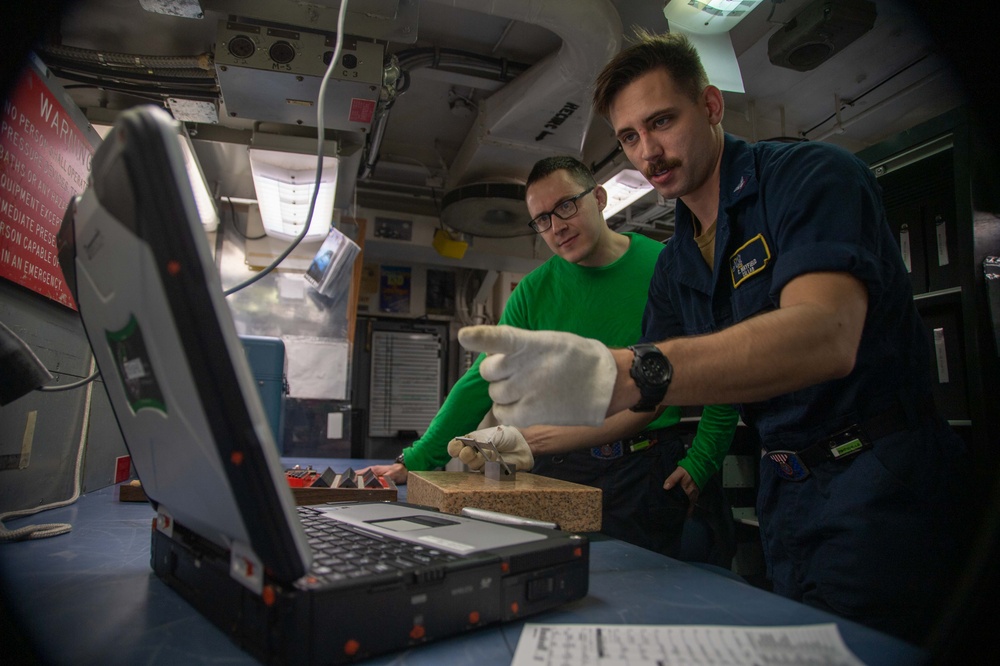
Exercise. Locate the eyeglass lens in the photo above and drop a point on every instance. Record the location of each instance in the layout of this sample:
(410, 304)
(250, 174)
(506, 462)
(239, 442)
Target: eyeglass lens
(563, 211)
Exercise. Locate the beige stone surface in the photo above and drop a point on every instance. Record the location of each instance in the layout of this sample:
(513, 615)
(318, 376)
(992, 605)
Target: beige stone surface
(575, 508)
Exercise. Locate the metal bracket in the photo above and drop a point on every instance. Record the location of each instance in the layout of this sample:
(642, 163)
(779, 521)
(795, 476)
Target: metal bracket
(495, 470)
(245, 567)
(164, 522)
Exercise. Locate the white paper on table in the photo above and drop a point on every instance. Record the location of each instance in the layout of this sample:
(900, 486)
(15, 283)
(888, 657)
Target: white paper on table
(692, 645)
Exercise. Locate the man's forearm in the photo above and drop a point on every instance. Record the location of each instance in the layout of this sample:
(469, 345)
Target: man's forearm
(798, 345)
(712, 440)
(549, 440)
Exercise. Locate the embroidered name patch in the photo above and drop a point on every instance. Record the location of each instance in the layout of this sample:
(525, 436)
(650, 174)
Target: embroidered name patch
(752, 257)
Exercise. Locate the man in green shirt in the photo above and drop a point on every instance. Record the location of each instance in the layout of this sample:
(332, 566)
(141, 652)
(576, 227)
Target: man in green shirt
(595, 286)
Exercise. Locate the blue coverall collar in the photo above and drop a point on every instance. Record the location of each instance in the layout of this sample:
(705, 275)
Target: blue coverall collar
(737, 180)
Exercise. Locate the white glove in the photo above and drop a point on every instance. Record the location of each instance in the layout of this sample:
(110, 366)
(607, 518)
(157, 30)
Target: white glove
(508, 441)
(543, 377)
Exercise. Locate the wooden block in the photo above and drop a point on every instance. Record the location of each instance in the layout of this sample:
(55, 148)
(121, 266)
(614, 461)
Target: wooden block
(131, 493)
(575, 508)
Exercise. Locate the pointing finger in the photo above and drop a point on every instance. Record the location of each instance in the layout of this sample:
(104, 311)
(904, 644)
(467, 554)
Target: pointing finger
(490, 339)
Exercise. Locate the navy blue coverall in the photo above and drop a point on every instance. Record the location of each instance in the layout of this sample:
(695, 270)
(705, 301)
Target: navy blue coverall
(874, 536)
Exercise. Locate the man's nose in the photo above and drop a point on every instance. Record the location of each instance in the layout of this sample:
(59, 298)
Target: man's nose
(558, 224)
(649, 149)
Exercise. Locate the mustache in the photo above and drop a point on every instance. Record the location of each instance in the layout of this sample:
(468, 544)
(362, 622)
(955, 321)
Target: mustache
(661, 165)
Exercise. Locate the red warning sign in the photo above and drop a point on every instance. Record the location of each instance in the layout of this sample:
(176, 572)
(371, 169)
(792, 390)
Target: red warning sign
(44, 161)
(362, 110)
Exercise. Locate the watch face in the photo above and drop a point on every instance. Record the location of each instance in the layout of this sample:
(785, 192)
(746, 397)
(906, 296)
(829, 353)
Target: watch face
(652, 373)
(656, 369)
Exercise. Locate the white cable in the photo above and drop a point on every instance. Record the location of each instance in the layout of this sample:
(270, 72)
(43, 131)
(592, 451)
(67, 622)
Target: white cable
(44, 530)
(66, 387)
(52, 529)
(320, 132)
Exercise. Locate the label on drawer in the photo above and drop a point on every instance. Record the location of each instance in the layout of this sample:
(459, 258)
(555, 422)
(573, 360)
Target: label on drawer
(904, 246)
(942, 355)
(942, 240)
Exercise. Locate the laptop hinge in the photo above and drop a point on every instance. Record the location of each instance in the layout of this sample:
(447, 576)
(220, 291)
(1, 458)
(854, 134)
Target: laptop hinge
(246, 567)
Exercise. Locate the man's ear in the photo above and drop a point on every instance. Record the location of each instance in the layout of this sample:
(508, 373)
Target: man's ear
(714, 104)
(601, 195)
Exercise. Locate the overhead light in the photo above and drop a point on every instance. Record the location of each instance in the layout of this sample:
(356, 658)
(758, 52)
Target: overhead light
(707, 24)
(284, 176)
(707, 17)
(203, 198)
(624, 188)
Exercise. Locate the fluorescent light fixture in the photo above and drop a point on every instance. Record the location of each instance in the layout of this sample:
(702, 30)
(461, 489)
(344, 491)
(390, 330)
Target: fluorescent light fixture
(199, 186)
(719, 60)
(707, 17)
(285, 181)
(707, 24)
(624, 188)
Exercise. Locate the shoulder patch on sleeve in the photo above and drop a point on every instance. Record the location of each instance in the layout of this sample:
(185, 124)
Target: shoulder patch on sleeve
(752, 257)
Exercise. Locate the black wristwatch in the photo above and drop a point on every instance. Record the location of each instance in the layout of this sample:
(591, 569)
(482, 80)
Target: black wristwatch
(399, 459)
(652, 373)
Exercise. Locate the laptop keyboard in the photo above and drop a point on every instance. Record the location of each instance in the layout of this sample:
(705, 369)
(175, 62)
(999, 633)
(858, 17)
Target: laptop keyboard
(342, 551)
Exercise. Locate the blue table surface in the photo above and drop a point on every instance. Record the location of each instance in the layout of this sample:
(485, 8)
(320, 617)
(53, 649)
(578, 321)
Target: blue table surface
(90, 597)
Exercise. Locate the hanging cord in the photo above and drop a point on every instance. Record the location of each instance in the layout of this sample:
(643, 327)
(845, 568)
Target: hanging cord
(233, 218)
(44, 530)
(77, 384)
(320, 135)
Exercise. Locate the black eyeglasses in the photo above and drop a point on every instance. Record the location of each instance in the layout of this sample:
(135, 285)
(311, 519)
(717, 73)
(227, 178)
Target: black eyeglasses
(563, 211)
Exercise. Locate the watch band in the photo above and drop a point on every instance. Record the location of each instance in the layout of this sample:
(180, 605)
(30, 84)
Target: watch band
(400, 459)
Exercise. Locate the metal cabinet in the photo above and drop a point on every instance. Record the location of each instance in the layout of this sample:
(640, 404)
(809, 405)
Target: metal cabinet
(934, 204)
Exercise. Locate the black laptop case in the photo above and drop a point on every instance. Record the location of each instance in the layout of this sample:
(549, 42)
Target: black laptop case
(227, 536)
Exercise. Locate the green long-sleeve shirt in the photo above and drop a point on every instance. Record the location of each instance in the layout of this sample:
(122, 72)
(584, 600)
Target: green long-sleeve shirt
(605, 303)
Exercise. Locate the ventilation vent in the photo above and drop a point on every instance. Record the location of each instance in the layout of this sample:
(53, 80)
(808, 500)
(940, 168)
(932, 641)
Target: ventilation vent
(490, 210)
(820, 31)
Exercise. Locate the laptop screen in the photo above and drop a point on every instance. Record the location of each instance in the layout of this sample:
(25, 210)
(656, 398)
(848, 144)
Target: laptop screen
(135, 256)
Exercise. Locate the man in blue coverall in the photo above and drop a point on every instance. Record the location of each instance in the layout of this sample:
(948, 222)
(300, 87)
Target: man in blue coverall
(782, 291)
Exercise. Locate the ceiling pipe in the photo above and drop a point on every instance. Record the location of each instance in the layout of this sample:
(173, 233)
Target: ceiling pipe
(842, 125)
(546, 110)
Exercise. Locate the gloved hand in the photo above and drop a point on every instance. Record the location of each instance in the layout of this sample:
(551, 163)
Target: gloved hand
(543, 377)
(507, 440)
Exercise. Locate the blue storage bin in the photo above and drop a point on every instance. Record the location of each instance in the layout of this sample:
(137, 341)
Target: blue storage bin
(266, 356)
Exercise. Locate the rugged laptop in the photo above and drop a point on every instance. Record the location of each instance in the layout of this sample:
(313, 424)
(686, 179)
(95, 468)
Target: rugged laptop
(325, 584)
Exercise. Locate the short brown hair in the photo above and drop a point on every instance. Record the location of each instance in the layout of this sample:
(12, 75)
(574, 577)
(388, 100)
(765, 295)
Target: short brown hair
(549, 165)
(671, 51)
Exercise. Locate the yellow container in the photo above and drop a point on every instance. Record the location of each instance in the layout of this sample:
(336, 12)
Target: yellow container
(446, 246)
